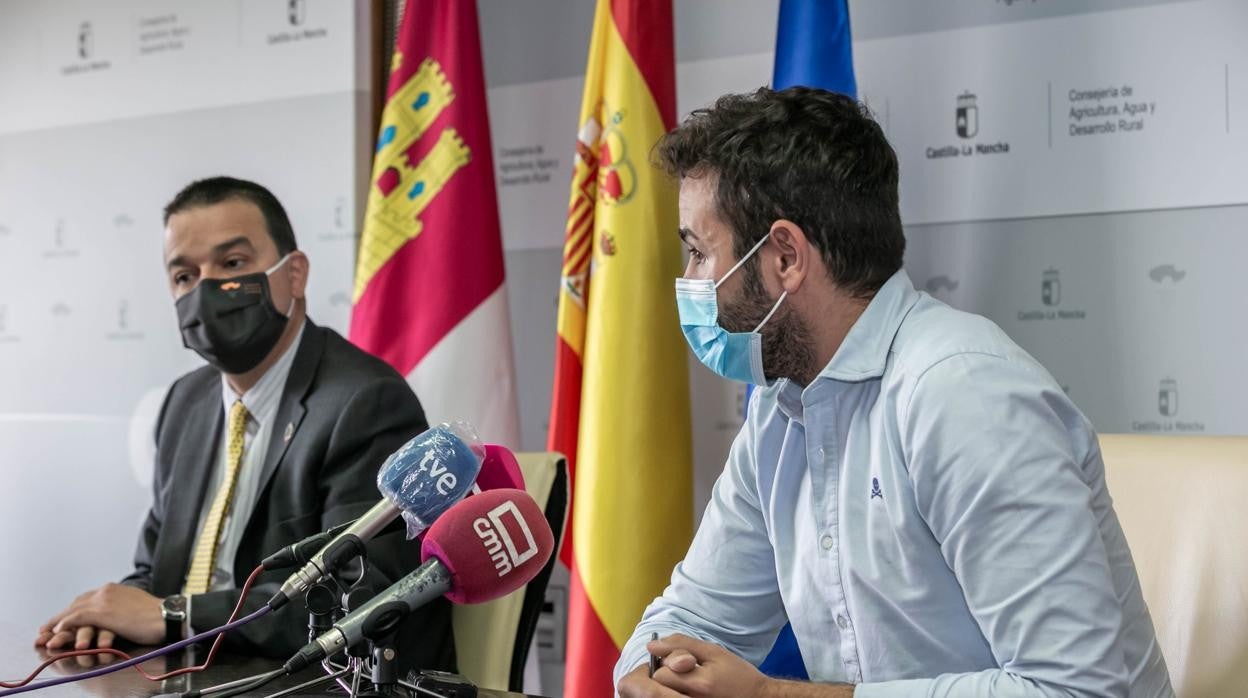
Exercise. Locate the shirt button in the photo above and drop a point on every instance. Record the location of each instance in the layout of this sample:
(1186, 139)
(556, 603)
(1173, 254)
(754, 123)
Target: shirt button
(822, 452)
(842, 621)
(826, 542)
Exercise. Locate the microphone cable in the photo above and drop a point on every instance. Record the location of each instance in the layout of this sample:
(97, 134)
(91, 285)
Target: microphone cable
(233, 688)
(25, 685)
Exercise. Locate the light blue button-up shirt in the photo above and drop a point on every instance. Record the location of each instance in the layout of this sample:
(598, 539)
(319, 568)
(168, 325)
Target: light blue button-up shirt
(931, 516)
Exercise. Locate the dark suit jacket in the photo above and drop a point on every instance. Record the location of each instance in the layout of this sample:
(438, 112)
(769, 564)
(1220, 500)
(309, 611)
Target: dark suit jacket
(344, 411)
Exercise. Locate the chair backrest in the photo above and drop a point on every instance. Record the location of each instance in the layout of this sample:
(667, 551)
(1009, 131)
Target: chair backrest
(492, 639)
(1183, 505)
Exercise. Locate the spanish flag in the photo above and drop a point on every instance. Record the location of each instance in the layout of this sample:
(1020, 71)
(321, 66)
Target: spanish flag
(620, 409)
(430, 291)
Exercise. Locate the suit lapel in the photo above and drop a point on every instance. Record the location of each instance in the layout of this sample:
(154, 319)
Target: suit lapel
(187, 489)
(291, 410)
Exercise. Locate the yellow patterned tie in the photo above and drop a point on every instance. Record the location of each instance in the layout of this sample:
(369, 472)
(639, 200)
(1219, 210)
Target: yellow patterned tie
(204, 561)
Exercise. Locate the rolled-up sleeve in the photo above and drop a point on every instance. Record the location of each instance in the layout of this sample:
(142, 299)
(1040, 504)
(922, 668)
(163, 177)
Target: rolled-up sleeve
(725, 590)
(1001, 485)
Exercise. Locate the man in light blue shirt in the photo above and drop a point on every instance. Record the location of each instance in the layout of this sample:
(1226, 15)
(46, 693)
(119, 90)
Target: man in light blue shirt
(912, 491)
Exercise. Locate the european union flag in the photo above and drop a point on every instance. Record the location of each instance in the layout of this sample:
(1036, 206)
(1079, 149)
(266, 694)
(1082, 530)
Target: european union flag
(813, 46)
(813, 49)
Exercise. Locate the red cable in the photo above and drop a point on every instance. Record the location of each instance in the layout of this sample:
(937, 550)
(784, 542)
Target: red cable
(212, 653)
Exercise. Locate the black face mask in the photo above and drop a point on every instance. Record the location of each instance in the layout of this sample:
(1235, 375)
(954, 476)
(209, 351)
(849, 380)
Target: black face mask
(231, 322)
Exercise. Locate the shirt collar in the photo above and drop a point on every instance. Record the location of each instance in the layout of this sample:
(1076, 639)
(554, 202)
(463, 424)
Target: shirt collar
(262, 399)
(863, 353)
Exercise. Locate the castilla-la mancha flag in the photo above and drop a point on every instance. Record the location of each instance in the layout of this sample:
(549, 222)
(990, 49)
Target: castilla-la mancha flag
(430, 293)
(620, 409)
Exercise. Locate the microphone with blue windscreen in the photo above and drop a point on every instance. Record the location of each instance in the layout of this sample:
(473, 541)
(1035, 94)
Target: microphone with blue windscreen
(420, 481)
(430, 473)
(499, 470)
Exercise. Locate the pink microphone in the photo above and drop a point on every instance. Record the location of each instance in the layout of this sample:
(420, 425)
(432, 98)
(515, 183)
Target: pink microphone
(499, 470)
(492, 544)
(482, 548)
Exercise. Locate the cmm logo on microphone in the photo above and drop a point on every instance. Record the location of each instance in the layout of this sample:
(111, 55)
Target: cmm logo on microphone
(493, 530)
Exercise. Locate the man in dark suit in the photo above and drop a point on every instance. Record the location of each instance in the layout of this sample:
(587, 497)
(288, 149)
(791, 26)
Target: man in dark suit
(278, 438)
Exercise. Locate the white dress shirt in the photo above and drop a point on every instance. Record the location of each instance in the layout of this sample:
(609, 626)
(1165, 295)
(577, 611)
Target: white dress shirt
(261, 401)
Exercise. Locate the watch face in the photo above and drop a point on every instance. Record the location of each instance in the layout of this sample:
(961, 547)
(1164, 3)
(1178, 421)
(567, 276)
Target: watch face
(173, 605)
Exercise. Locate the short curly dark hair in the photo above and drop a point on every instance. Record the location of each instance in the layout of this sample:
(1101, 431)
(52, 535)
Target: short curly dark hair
(815, 157)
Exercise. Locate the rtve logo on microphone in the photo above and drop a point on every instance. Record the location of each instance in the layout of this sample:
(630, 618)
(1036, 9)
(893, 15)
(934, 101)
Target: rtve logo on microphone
(493, 531)
(445, 479)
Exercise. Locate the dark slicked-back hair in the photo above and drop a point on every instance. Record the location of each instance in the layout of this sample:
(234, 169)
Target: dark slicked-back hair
(214, 190)
(814, 157)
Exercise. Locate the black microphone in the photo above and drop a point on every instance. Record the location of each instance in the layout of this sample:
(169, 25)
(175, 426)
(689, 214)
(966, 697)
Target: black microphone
(300, 553)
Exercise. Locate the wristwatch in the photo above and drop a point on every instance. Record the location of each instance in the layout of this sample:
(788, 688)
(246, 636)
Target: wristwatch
(173, 610)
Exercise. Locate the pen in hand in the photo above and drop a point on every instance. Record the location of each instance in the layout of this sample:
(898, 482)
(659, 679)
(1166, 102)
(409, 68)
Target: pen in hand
(654, 659)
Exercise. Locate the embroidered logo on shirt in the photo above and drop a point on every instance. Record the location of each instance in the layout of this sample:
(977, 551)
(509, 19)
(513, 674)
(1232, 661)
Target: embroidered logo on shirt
(875, 488)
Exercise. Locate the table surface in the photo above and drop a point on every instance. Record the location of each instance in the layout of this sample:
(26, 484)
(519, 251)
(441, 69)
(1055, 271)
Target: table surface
(18, 657)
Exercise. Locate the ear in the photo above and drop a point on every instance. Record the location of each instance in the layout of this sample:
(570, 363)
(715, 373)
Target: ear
(794, 255)
(299, 265)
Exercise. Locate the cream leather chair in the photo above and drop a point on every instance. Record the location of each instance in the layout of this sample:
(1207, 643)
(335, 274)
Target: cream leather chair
(1183, 504)
(492, 639)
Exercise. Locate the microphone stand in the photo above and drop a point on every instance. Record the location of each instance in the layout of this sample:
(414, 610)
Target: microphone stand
(384, 674)
(324, 608)
(327, 603)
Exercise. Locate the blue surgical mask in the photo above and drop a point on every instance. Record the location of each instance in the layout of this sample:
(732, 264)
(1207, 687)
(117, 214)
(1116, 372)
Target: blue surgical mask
(736, 356)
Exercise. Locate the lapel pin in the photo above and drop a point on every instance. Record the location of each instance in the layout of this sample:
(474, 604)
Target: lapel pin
(290, 432)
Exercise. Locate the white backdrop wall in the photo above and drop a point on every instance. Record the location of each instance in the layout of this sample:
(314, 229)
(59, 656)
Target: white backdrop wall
(106, 110)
